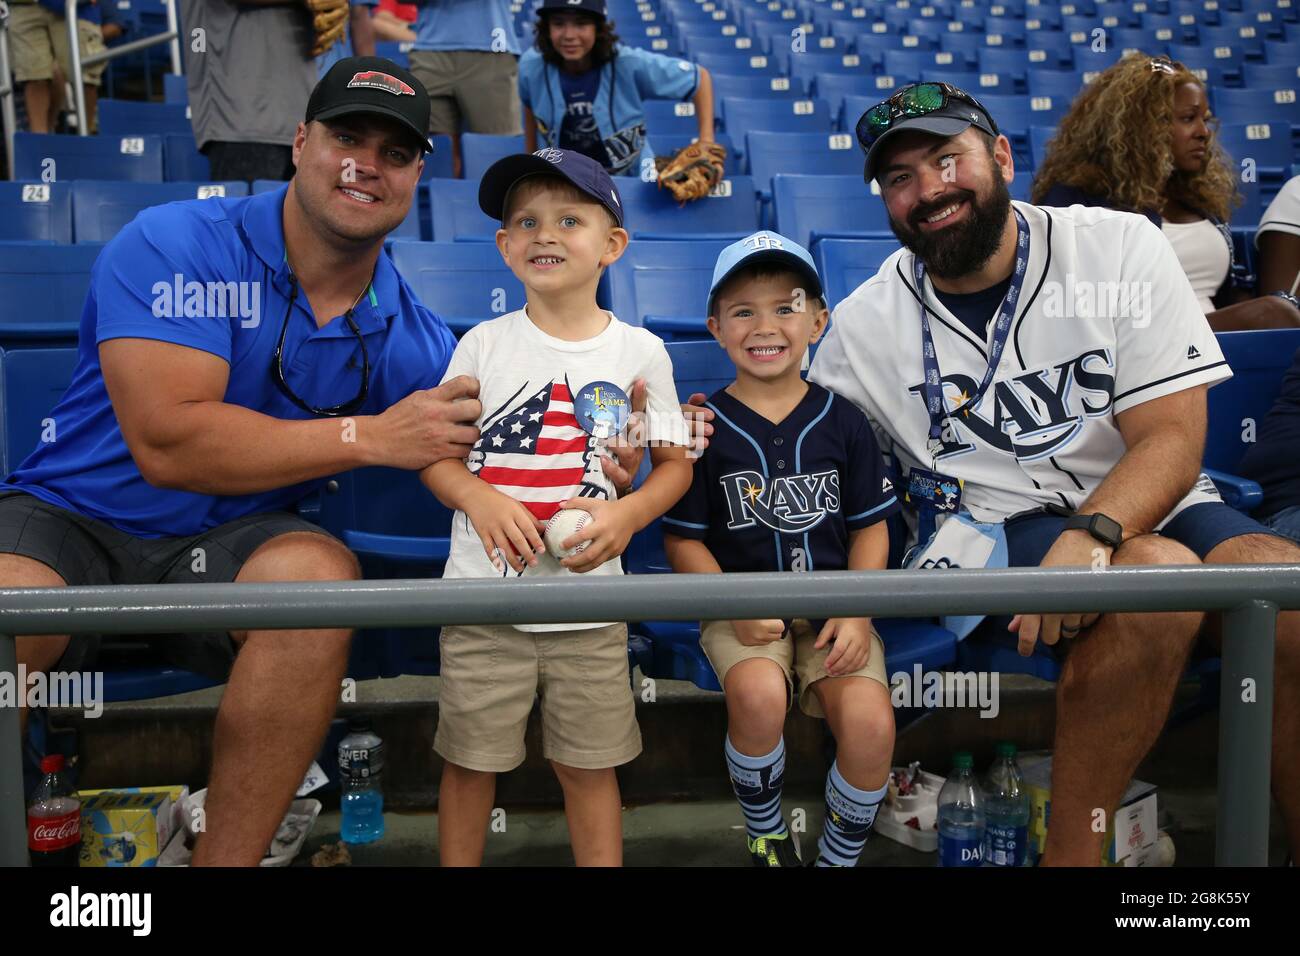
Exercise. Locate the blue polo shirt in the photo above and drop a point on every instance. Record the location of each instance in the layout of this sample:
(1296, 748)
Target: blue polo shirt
(164, 277)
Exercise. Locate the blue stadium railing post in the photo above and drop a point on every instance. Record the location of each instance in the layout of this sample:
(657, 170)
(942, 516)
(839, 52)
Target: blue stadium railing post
(1245, 734)
(13, 829)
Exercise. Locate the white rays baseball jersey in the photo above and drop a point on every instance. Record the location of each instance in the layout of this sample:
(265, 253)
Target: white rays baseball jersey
(1106, 321)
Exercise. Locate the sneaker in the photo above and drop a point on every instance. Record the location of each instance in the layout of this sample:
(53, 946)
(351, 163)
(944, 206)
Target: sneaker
(774, 850)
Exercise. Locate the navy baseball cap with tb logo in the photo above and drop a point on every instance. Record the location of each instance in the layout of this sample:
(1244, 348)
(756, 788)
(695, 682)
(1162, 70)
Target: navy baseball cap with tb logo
(372, 84)
(582, 171)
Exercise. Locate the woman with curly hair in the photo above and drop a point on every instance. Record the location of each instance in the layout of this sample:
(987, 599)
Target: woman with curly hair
(1140, 138)
(583, 90)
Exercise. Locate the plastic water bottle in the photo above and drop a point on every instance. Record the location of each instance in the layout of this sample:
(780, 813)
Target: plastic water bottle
(1006, 811)
(961, 816)
(361, 766)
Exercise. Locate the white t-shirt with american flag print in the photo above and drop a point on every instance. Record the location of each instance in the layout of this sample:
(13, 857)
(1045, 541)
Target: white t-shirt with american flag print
(531, 446)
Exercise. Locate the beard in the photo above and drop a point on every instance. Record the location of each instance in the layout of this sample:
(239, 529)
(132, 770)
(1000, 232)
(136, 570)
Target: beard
(964, 247)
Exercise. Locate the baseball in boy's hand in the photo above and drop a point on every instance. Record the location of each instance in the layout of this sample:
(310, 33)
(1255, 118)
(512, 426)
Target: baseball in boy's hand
(564, 524)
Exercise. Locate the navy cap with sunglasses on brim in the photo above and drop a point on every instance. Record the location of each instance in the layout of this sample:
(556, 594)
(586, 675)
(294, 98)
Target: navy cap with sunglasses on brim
(937, 108)
(587, 175)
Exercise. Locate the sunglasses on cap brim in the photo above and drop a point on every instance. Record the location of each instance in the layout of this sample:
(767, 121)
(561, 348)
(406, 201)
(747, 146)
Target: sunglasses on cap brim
(920, 99)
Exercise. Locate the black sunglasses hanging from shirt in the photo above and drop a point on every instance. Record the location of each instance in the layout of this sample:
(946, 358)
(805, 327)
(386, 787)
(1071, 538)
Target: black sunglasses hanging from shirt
(277, 365)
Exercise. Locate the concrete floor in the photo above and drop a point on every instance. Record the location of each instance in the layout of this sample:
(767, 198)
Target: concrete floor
(709, 833)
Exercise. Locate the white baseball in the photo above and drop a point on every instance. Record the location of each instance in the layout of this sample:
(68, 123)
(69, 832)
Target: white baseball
(564, 524)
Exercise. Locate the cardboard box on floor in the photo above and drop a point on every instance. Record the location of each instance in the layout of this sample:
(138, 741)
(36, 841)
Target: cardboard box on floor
(130, 826)
(1134, 821)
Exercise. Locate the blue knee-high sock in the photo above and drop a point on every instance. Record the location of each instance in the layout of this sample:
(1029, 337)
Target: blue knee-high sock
(757, 782)
(849, 815)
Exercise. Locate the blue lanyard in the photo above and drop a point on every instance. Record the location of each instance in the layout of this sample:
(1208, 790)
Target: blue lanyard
(933, 385)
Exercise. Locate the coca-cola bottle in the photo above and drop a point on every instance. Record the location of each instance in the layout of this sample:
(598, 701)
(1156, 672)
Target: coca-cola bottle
(54, 818)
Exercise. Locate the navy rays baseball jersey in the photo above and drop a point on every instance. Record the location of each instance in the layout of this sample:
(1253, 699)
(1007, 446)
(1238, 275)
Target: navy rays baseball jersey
(784, 497)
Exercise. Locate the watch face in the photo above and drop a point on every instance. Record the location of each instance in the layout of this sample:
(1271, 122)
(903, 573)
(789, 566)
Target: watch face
(1107, 529)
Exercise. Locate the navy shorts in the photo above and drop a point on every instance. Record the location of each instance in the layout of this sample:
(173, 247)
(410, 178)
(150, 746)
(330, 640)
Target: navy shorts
(84, 551)
(1200, 528)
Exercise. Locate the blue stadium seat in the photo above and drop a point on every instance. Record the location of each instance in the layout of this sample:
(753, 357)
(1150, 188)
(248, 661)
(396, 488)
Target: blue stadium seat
(1247, 215)
(437, 165)
(1061, 85)
(34, 380)
(1268, 144)
(813, 154)
(834, 87)
(1274, 76)
(399, 53)
(32, 211)
(845, 264)
(914, 65)
(456, 214)
(182, 161)
(652, 213)
(464, 282)
(663, 286)
(397, 529)
(126, 158)
(1257, 105)
(1258, 360)
(42, 293)
(101, 208)
(976, 83)
(1244, 38)
(740, 114)
(671, 117)
(1224, 60)
(811, 208)
(805, 66)
(876, 45)
(134, 118)
(772, 87)
(741, 63)
(175, 89)
(696, 44)
(1139, 39)
(1170, 29)
(1039, 138)
(481, 150)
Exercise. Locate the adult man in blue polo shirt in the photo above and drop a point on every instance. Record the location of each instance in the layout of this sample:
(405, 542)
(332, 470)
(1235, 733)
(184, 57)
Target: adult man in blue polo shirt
(234, 354)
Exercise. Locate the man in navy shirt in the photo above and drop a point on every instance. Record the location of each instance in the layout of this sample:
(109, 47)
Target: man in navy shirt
(234, 354)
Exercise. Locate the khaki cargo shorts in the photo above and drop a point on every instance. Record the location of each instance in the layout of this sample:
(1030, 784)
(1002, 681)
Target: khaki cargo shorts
(492, 674)
(794, 654)
(37, 38)
(471, 88)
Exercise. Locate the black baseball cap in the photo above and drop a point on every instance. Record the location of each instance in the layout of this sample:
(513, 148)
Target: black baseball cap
(584, 172)
(594, 7)
(372, 84)
(939, 108)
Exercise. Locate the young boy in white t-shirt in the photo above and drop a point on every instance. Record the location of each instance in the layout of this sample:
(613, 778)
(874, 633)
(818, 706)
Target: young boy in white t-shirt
(554, 380)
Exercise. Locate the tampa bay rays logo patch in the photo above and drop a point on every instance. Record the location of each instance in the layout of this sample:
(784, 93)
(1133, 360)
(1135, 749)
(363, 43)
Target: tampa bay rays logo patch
(791, 505)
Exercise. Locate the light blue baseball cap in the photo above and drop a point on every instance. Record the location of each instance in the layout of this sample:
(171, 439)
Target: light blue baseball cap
(765, 247)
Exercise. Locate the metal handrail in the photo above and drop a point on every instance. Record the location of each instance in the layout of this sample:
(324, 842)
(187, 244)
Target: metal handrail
(8, 114)
(1249, 596)
(170, 36)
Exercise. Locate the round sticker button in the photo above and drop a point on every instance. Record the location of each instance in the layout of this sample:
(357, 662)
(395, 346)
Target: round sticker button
(602, 409)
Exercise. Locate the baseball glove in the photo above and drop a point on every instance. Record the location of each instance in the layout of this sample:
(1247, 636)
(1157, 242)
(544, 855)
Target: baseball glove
(329, 20)
(693, 171)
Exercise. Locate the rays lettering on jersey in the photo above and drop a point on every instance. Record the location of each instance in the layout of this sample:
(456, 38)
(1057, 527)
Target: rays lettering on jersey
(1031, 413)
(789, 504)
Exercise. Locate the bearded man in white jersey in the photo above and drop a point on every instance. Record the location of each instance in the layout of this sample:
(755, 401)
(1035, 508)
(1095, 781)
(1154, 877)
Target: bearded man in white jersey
(1039, 378)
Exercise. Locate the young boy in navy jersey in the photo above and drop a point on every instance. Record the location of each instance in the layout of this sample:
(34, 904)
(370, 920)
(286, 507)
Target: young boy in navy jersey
(792, 480)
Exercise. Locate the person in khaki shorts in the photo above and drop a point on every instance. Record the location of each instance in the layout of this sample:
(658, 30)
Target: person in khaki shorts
(38, 39)
(556, 379)
(792, 480)
(467, 56)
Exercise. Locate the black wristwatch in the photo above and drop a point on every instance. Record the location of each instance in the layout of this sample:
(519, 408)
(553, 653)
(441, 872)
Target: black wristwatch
(1106, 530)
